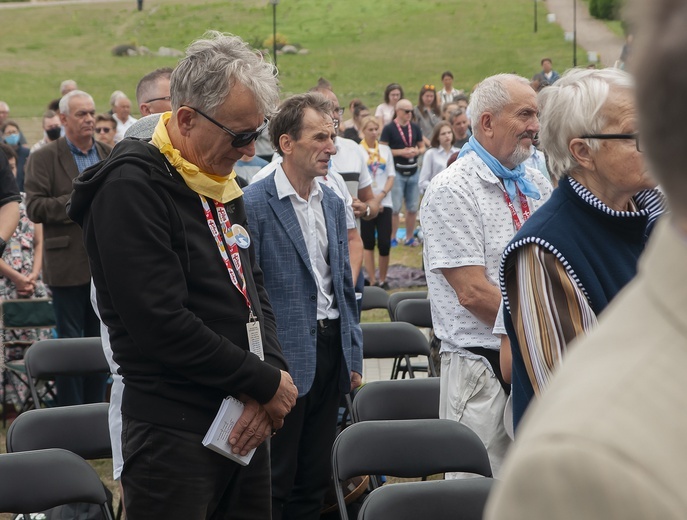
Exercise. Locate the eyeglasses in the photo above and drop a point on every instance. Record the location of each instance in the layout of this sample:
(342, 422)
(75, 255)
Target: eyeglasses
(102, 129)
(166, 98)
(406, 111)
(241, 139)
(429, 87)
(634, 137)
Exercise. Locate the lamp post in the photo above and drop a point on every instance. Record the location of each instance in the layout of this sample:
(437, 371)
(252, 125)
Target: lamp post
(274, 30)
(574, 33)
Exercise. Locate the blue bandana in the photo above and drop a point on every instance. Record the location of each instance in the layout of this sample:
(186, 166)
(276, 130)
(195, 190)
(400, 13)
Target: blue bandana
(511, 178)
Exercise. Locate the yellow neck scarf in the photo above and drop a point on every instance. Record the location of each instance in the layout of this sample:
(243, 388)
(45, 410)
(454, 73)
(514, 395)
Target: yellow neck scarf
(217, 187)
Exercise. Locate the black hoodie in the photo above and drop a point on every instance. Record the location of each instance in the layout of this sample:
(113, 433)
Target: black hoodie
(177, 324)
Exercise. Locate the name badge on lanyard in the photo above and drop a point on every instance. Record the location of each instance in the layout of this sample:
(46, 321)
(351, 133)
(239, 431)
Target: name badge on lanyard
(235, 236)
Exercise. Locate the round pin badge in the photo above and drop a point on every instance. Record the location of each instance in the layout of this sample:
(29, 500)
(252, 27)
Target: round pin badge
(241, 236)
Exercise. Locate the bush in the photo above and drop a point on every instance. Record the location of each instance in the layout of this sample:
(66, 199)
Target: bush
(605, 9)
(281, 41)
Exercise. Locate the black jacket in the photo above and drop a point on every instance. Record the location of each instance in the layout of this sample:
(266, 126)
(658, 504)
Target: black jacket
(177, 324)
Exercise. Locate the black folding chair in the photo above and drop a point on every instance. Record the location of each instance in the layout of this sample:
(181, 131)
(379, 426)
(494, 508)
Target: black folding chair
(82, 429)
(405, 449)
(397, 297)
(374, 298)
(399, 399)
(395, 340)
(49, 358)
(34, 481)
(403, 365)
(458, 499)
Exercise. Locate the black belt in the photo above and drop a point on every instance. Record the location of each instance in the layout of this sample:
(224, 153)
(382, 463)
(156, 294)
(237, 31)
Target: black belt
(327, 323)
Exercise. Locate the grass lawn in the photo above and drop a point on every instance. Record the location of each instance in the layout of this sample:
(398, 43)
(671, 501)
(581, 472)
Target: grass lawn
(359, 46)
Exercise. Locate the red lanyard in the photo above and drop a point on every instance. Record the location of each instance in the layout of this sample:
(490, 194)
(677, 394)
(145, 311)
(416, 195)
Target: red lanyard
(233, 262)
(408, 143)
(523, 205)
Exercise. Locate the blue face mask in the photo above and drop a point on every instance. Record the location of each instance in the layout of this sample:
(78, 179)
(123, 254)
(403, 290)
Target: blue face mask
(12, 140)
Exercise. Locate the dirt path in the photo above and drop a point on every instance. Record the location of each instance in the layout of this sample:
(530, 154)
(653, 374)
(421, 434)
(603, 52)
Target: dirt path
(592, 34)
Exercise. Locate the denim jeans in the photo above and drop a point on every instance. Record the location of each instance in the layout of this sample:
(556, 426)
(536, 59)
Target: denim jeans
(406, 188)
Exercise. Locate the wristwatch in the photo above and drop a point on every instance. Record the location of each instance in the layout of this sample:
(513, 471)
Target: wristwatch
(367, 214)
(3, 244)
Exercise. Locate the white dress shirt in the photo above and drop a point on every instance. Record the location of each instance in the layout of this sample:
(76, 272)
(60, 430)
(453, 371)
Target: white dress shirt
(311, 219)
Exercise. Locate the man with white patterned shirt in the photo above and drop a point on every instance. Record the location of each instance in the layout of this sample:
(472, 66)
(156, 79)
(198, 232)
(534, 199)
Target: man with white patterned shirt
(469, 213)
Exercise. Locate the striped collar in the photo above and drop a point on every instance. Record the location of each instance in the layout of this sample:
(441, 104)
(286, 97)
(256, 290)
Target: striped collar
(648, 202)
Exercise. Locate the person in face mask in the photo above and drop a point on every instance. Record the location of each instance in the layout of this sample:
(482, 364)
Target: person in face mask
(11, 135)
(52, 130)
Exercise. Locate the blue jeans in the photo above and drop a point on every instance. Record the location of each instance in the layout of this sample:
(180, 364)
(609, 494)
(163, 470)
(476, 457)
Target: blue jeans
(76, 319)
(406, 188)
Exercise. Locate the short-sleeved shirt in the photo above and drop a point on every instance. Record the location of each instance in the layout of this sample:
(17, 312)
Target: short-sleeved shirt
(466, 221)
(350, 162)
(392, 137)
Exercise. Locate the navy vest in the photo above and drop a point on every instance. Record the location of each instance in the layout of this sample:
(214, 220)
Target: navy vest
(599, 248)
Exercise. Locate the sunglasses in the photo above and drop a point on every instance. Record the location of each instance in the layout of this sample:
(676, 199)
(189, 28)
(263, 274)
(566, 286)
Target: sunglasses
(429, 87)
(406, 111)
(240, 139)
(102, 129)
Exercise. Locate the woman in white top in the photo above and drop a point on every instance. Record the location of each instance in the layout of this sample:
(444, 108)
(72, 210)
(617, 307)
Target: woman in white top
(380, 163)
(435, 158)
(386, 112)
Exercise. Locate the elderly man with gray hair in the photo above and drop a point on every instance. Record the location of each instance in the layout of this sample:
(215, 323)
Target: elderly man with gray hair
(606, 441)
(469, 213)
(181, 294)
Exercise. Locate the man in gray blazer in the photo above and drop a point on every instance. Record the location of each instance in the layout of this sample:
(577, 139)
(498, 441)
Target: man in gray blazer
(607, 440)
(299, 231)
(48, 184)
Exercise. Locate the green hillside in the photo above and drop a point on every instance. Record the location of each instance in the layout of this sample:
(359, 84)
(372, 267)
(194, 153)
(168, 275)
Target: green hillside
(359, 46)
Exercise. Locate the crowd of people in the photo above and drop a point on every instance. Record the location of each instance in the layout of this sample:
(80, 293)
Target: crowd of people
(211, 272)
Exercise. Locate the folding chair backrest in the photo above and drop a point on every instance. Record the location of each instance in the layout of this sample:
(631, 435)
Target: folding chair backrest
(417, 312)
(458, 499)
(375, 298)
(391, 340)
(397, 399)
(82, 429)
(66, 356)
(49, 358)
(38, 480)
(406, 449)
(397, 297)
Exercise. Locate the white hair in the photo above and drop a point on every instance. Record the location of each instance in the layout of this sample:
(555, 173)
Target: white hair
(572, 107)
(67, 84)
(491, 95)
(213, 65)
(4, 105)
(64, 102)
(117, 95)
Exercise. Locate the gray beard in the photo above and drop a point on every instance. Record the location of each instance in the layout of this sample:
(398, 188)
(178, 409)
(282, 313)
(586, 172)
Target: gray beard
(520, 154)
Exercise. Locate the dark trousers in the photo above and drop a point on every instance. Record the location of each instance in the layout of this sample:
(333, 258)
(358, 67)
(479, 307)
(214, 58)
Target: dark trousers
(168, 474)
(76, 319)
(301, 450)
(381, 225)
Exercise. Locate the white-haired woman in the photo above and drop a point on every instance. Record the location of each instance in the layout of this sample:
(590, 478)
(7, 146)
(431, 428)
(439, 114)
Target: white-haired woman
(581, 247)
